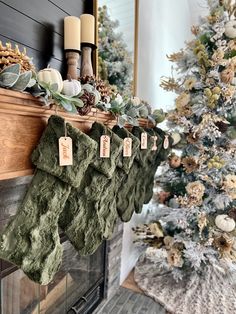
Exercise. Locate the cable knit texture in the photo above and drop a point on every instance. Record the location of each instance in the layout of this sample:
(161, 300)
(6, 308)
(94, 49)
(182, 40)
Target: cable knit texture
(90, 212)
(46, 156)
(161, 155)
(31, 240)
(211, 293)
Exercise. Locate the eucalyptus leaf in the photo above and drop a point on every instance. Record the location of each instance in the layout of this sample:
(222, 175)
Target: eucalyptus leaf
(66, 105)
(132, 112)
(151, 118)
(14, 68)
(89, 88)
(77, 102)
(8, 79)
(23, 81)
(132, 121)
(122, 120)
(32, 82)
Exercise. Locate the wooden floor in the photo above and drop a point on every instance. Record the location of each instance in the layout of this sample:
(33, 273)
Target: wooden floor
(129, 283)
(130, 299)
(126, 301)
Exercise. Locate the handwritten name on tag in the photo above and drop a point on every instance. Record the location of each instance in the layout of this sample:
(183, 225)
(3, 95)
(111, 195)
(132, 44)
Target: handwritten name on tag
(127, 147)
(105, 146)
(65, 151)
(154, 146)
(166, 142)
(144, 140)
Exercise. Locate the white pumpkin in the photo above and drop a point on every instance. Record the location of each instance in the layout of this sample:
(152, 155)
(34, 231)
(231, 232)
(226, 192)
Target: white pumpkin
(225, 223)
(51, 76)
(71, 87)
(135, 101)
(230, 29)
(176, 138)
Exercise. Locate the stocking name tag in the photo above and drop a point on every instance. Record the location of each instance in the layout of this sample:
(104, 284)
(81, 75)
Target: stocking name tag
(127, 147)
(65, 151)
(166, 142)
(144, 140)
(154, 138)
(105, 146)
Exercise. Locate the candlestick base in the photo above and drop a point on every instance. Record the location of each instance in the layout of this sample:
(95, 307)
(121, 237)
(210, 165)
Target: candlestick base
(72, 63)
(86, 66)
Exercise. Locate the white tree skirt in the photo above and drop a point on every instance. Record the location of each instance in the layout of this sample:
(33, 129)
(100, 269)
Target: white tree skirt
(209, 294)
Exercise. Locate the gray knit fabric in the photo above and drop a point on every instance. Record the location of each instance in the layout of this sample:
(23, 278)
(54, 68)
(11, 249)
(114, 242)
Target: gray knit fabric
(211, 293)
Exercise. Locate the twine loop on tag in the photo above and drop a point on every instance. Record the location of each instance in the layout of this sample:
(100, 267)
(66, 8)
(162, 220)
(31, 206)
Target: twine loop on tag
(56, 112)
(65, 129)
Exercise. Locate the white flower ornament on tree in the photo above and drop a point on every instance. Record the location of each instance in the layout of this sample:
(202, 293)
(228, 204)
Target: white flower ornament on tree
(230, 29)
(225, 223)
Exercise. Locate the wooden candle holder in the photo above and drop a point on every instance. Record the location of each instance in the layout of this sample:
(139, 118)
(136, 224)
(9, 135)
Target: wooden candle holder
(72, 63)
(86, 65)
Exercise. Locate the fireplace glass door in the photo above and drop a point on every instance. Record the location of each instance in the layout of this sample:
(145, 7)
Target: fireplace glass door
(78, 287)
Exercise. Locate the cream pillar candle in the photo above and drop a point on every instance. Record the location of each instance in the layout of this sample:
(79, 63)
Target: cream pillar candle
(87, 28)
(72, 33)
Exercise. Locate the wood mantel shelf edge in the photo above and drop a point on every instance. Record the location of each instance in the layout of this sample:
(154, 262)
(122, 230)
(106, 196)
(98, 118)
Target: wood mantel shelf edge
(22, 121)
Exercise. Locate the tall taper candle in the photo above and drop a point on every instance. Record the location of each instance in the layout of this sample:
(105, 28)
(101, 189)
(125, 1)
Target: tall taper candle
(87, 28)
(72, 33)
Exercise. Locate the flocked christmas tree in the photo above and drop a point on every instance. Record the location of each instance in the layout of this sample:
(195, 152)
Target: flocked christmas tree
(115, 62)
(197, 188)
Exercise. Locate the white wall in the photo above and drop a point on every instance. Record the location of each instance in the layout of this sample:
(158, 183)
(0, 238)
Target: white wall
(164, 26)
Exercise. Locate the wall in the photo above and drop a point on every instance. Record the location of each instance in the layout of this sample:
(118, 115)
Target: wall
(164, 26)
(38, 26)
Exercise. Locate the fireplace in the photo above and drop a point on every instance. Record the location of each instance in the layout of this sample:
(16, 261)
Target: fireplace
(79, 286)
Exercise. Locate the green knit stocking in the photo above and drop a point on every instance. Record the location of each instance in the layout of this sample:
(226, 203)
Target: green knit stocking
(126, 194)
(89, 213)
(31, 240)
(161, 155)
(113, 186)
(148, 171)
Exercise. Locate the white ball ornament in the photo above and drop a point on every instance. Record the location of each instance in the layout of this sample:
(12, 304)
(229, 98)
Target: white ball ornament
(176, 138)
(71, 87)
(230, 29)
(225, 223)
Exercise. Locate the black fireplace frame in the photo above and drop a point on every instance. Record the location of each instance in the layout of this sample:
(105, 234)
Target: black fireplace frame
(87, 303)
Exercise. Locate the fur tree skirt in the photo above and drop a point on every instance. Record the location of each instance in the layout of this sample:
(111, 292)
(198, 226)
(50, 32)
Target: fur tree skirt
(212, 293)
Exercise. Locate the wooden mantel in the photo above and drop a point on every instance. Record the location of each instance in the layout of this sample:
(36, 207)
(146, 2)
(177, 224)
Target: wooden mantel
(22, 121)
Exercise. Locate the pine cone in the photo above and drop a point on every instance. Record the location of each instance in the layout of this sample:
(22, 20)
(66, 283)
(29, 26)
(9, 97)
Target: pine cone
(9, 56)
(223, 127)
(88, 80)
(232, 213)
(104, 89)
(89, 101)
